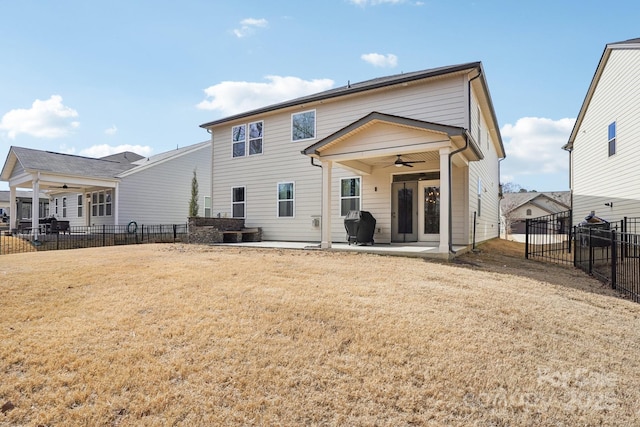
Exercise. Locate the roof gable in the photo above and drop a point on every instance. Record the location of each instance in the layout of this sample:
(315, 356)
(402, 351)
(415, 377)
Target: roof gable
(627, 44)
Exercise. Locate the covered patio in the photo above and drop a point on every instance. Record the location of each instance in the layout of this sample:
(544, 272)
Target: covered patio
(384, 150)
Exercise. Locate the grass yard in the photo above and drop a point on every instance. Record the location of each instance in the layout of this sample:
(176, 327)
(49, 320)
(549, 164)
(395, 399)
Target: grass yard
(193, 335)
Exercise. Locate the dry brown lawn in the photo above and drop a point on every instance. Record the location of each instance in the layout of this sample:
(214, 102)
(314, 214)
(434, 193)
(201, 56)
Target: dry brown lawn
(196, 335)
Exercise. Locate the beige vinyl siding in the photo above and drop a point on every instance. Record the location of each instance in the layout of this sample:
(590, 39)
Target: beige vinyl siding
(160, 194)
(488, 222)
(598, 178)
(441, 101)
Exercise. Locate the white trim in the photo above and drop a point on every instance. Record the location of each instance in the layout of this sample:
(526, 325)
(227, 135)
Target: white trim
(315, 121)
(293, 200)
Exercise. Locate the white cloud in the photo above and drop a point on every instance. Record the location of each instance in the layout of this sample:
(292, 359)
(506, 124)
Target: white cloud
(248, 27)
(45, 119)
(379, 60)
(111, 131)
(231, 97)
(106, 150)
(534, 148)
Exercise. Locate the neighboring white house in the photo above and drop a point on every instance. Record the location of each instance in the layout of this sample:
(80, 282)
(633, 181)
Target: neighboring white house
(516, 208)
(418, 150)
(603, 145)
(113, 190)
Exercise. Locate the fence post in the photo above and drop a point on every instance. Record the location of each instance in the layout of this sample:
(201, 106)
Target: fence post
(614, 258)
(590, 252)
(526, 238)
(575, 237)
(174, 233)
(104, 234)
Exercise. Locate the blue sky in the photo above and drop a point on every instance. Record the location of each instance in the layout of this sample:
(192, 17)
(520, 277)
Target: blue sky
(97, 77)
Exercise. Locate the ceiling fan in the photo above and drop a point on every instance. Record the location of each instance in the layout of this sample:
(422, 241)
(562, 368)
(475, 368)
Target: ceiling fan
(409, 163)
(64, 187)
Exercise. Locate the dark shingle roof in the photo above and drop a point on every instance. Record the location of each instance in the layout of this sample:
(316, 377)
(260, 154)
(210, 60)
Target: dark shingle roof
(68, 164)
(353, 88)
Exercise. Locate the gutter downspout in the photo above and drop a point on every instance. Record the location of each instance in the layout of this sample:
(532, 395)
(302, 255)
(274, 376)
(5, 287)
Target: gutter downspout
(466, 145)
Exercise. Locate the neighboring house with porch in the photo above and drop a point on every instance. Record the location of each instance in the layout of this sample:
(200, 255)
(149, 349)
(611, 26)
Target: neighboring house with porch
(24, 200)
(516, 208)
(603, 144)
(418, 150)
(115, 189)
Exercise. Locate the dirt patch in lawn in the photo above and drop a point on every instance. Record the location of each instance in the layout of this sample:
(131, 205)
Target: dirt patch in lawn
(196, 335)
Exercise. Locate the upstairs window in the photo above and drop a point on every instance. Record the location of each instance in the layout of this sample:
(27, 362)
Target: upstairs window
(238, 139)
(528, 212)
(303, 125)
(64, 207)
(612, 139)
(255, 138)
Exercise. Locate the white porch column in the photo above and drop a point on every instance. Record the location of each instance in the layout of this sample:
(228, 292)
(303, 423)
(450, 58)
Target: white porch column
(35, 208)
(445, 195)
(13, 209)
(116, 204)
(326, 205)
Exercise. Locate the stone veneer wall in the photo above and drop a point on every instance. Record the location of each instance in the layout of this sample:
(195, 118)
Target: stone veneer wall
(210, 230)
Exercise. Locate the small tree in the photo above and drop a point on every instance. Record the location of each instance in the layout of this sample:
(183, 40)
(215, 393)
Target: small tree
(193, 203)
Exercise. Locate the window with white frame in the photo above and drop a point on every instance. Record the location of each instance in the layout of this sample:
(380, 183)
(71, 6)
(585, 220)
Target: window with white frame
(207, 206)
(238, 140)
(238, 202)
(101, 203)
(255, 138)
(64, 207)
(80, 203)
(349, 195)
(56, 206)
(286, 199)
(303, 125)
(612, 138)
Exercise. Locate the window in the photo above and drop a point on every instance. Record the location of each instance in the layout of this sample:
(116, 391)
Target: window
(207, 206)
(255, 138)
(612, 139)
(101, 203)
(238, 138)
(303, 125)
(238, 202)
(80, 201)
(94, 204)
(285, 199)
(349, 195)
(64, 207)
(528, 212)
(56, 205)
(107, 202)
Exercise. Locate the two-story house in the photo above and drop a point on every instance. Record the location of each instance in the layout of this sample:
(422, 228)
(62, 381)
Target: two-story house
(603, 142)
(418, 150)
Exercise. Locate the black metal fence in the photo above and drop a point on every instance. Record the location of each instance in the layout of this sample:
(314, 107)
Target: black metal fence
(93, 236)
(549, 238)
(609, 251)
(611, 255)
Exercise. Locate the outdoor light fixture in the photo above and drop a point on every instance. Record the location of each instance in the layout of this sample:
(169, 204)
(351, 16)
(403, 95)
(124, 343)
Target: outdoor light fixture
(610, 204)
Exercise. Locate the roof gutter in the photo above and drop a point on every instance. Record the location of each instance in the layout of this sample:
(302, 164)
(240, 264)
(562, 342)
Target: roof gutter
(459, 150)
